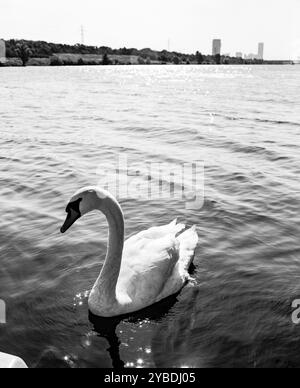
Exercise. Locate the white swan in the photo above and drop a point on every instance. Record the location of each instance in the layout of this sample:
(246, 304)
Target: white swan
(144, 270)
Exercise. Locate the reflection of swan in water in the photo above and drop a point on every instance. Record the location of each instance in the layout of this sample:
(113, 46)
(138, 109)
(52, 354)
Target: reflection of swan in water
(107, 327)
(148, 268)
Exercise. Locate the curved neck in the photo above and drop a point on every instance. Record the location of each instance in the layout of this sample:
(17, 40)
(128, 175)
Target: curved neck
(106, 284)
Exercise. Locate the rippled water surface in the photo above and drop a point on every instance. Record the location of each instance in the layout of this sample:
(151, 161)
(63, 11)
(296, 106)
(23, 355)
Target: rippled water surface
(60, 128)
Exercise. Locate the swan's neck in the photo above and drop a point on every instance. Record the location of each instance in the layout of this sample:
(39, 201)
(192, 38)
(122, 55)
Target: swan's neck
(104, 291)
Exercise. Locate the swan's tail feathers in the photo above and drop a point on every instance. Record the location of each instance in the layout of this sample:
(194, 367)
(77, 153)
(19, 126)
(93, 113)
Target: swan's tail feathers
(176, 228)
(188, 244)
(189, 238)
(179, 228)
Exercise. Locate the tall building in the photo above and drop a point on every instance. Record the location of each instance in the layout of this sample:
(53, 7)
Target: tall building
(2, 51)
(217, 46)
(261, 48)
(239, 55)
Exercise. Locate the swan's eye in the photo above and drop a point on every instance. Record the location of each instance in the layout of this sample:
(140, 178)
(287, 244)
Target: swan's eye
(75, 206)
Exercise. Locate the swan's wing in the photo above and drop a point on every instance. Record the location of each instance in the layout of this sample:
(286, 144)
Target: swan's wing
(146, 267)
(160, 231)
(154, 267)
(157, 232)
(136, 243)
(187, 244)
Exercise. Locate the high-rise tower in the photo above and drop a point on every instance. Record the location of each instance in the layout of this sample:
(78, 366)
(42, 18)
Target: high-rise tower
(2, 51)
(261, 48)
(217, 46)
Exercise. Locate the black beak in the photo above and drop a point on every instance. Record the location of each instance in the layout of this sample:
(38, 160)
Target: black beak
(73, 215)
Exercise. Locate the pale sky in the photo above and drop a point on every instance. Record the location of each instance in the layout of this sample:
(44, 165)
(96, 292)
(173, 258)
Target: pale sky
(189, 24)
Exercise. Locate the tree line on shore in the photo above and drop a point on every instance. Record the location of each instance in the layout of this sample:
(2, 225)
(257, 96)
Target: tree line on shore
(26, 49)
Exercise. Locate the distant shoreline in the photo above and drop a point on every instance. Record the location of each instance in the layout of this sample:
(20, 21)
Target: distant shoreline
(40, 53)
(59, 60)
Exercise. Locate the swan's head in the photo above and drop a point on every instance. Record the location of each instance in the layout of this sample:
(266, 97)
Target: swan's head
(83, 202)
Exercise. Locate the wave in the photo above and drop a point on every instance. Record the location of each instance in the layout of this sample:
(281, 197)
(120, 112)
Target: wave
(256, 119)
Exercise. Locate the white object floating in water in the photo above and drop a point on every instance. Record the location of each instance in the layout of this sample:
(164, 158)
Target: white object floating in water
(11, 362)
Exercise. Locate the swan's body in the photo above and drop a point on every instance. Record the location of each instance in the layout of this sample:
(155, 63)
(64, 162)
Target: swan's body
(144, 270)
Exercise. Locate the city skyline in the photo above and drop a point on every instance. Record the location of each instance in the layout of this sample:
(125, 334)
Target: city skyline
(217, 50)
(140, 24)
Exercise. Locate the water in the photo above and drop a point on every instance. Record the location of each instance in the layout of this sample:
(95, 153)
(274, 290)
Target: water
(62, 127)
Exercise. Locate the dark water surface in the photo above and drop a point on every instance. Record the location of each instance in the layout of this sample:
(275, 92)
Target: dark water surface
(60, 128)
